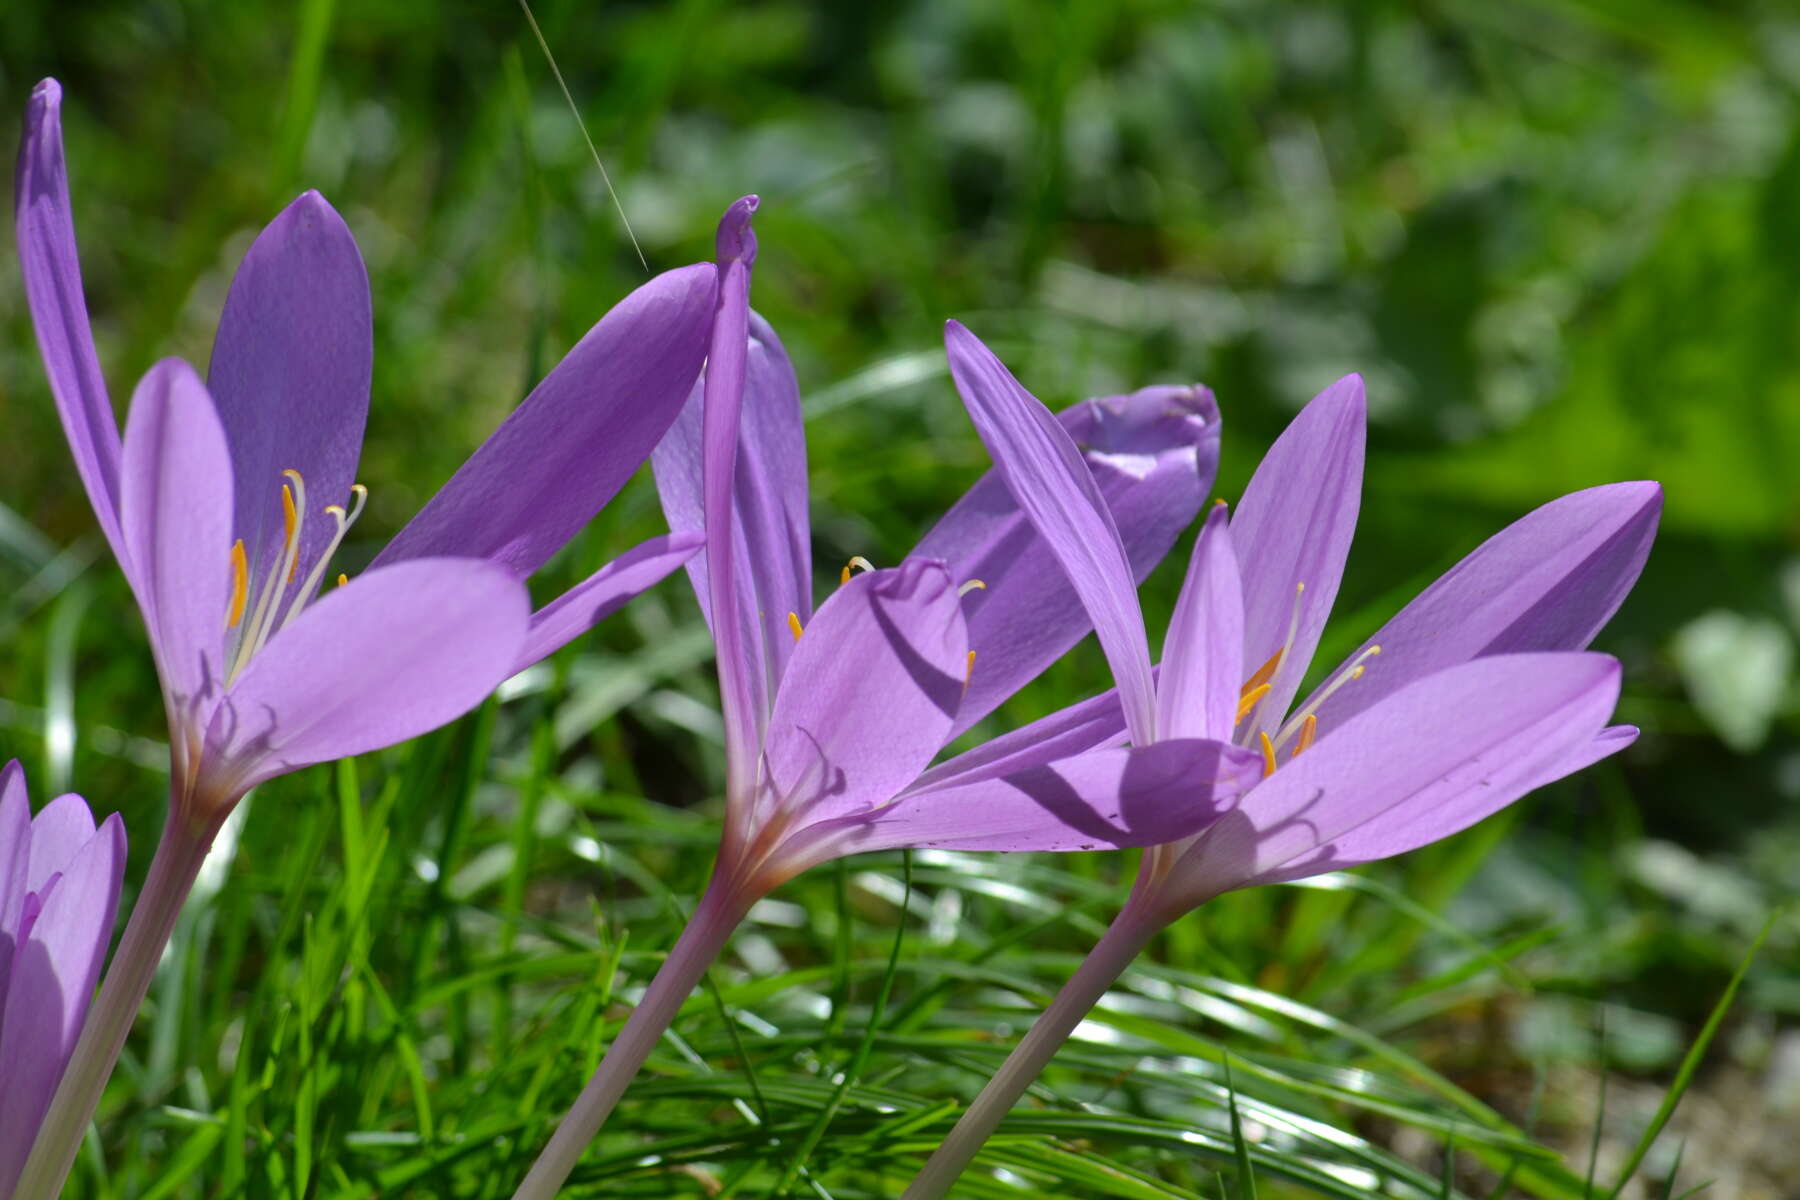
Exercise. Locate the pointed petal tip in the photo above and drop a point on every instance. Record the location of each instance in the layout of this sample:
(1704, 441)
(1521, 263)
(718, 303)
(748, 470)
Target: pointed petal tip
(735, 240)
(47, 94)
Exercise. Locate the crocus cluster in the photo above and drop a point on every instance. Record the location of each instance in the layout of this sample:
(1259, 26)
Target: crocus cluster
(59, 890)
(228, 497)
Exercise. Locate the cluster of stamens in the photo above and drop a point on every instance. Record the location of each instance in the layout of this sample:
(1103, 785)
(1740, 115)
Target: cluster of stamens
(266, 618)
(1303, 727)
(859, 564)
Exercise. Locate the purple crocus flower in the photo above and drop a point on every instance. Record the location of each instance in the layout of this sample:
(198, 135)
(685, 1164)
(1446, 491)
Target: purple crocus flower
(59, 892)
(831, 718)
(1473, 695)
(226, 501)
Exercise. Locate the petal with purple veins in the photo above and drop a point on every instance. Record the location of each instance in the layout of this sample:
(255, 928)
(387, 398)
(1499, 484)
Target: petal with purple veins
(1202, 667)
(603, 593)
(176, 518)
(396, 652)
(1292, 531)
(580, 434)
(51, 270)
(1431, 759)
(290, 375)
(871, 692)
(1053, 487)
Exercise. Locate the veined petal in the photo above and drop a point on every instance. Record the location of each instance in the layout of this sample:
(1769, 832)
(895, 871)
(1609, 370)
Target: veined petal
(1548, 581)
(58, 832)
(1433, 758)
(1291, 530)
(870, 694)
(722, 400)
(54, 973)
(51, 270)
(1052, 486)
(1093, 723)
(392, 654)
(771, 528)
(580, 434)
(176, 518)
(1136, 796)
(1153, 455)
(290, 375)
(604, 593)
(1203, 665)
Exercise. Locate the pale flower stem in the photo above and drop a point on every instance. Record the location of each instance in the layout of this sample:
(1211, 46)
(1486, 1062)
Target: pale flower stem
(1097, 973)
(712, 924)
(171, 877)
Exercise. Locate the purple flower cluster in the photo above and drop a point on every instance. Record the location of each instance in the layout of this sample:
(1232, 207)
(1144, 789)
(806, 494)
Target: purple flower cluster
(226, 499)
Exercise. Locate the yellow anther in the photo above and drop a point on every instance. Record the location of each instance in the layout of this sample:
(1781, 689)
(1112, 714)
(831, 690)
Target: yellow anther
(794, 625)
(342, 579)
(844, 575)
(969, 668)
(973, 585)
(1248, 700)
(1309, 729)
(1263, 674)
(289, 516)
(240, 584)
(1268, 753)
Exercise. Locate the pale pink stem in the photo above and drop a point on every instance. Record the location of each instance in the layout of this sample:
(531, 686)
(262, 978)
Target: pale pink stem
(713, 921)
(1129, 933)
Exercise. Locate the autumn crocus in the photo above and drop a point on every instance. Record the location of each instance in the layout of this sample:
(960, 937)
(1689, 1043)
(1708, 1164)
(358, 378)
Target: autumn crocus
(226, 501)
(831, 718)
(1474, 694)
(59, 892)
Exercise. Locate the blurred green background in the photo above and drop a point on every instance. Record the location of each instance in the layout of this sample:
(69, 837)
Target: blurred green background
(1560, 238)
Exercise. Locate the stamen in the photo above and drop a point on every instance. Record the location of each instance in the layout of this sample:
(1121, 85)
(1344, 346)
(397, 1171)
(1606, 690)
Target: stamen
(857, 563)
(794, 626)
(290, 518)
(342, 579)
(1263, 674)
(1259, 684)
(1309, 729)
(969, 669)
(973, 585)
(359, 497)
(1268, 753)
(1299, 719)
(240, 584)
(1248, 700)
(281, 571)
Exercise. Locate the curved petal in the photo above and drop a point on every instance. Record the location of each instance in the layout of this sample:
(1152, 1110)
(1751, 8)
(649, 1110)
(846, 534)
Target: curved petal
(1203, 666)
(52, 274)
(870, 694)
(1292, 534)
(53, 981)
(394, 653)
(1435, 757)
(176, 517)
(722, 401)
(290, 375)
(1136, 796)
(604, 593)
(58, 833)
(1053, 487)
(1093, 723)
(1548, 581)
(1153, 455)
(580, 434)
(772, 529)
